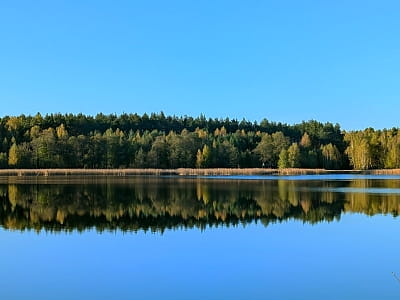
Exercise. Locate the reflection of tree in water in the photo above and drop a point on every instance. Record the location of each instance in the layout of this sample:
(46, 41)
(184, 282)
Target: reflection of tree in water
(159, 204)
(383, 200)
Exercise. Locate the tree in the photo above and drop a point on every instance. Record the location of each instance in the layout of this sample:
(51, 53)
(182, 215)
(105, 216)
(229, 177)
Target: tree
(62, 133)
(359, 150)
(283, 160)
(158, 156)
(183, 149)
(331, 158)
(44, 150)
(140, 159)
(24, 154)
(199, 159)
(308, 158)
(294, 157)
(206, 153)
(112, 143)
(265, 150)
(270, 147)
(305, 141)
(13, 156)
(390, 142)
(227, 155)
(3, 160)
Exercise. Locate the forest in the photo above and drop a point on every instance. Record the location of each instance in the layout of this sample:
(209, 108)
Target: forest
(159, 141)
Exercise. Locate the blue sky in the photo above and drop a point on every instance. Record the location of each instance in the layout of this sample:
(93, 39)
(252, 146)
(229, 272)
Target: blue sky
(286, 61)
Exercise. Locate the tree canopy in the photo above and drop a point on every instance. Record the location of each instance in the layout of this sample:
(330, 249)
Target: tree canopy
(159, 141)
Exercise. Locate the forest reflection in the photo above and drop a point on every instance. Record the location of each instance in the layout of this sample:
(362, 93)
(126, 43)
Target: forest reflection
(157, 204)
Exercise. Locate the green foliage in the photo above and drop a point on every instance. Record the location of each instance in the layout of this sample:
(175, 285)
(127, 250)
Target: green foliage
(270, 147)
(309, 158)
(362, 149)
(330, 156)
(140, 159)
(3, 160)
(13, 156)
(283, 159)
(390, 141)
(158, 155)
(159, 141)
(294, 156)
(203, 157)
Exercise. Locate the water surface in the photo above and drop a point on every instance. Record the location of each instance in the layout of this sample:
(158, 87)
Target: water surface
(272, 237)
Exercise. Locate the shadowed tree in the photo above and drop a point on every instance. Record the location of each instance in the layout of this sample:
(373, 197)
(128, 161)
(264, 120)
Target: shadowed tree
(158, 156)
(270, 147)
(3, 160)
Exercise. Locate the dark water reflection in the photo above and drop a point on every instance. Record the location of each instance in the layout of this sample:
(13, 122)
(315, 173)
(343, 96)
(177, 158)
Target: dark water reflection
(156, 204)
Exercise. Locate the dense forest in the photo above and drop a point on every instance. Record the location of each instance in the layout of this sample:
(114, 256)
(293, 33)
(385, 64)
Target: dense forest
(159, 141)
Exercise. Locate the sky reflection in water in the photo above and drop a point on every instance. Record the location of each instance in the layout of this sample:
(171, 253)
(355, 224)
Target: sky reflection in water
(299, 251)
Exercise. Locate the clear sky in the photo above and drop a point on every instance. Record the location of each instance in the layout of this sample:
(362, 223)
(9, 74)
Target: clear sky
(286, 61)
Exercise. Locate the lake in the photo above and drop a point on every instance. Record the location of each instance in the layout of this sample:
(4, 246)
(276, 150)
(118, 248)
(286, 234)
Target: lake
(234, 237)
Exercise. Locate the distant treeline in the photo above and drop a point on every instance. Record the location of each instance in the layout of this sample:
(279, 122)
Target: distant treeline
(159, 141)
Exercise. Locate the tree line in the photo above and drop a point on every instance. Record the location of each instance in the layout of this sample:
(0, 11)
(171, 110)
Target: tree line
(159, 141)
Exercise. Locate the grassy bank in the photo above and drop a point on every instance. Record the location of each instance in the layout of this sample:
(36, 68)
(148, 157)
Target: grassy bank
(184, 172)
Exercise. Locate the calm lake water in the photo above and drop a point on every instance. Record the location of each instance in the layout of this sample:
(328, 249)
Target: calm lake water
(253, 237)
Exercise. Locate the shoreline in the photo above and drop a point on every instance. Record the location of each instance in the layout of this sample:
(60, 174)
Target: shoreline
(189, 172)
